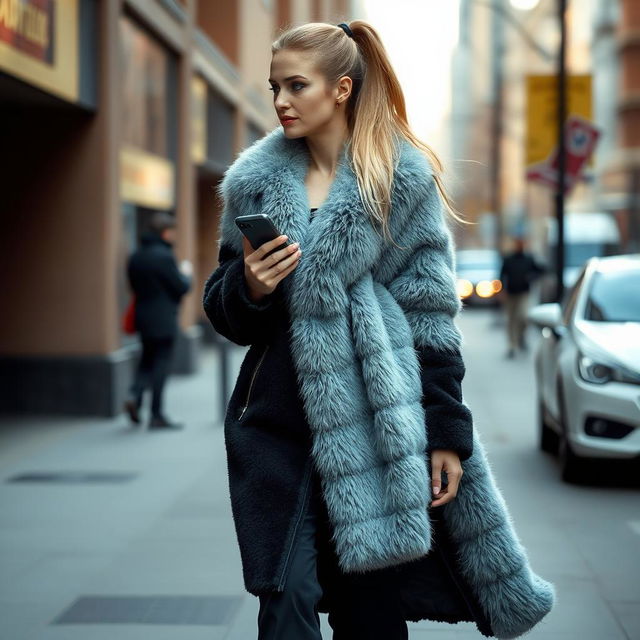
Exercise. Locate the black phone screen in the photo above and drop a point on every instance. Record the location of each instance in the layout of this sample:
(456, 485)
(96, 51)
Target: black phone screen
(258, 229)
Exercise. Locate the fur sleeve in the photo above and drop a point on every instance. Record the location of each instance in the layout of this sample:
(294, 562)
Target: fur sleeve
(425, 285)
(425, 288)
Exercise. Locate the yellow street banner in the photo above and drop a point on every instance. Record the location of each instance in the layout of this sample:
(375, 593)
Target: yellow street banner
(542, 111)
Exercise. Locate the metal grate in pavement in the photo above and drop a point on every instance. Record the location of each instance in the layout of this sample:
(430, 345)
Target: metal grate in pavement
(178, 610)
(74, 477)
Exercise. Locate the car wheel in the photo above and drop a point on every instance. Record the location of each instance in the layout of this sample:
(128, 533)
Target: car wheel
(572, 467)
(548, 438)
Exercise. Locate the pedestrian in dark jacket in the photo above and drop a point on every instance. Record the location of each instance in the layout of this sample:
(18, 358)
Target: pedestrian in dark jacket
(346, 433)
(519, 270)
(158, 285)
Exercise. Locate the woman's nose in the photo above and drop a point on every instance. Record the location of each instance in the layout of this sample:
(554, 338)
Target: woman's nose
(281, 103)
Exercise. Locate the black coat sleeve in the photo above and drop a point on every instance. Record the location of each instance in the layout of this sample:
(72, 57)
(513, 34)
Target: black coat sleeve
(503, 271)
(449, 420)
(228, 306)
(173, 279)
(538, 268)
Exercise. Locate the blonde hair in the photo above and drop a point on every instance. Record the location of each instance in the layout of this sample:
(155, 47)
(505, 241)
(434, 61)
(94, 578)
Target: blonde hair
(376, 110)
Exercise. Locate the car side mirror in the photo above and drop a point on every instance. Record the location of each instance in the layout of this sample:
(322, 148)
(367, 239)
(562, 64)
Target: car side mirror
(546, 315)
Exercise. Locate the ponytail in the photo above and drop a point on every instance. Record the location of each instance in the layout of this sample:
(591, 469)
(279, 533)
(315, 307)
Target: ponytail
(376, 110)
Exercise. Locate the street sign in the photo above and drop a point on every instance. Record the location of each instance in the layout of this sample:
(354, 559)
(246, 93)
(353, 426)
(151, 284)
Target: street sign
(581, 137)
(542, 111)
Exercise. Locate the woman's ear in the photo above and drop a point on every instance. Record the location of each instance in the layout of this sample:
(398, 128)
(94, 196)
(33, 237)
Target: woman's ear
(345, 86)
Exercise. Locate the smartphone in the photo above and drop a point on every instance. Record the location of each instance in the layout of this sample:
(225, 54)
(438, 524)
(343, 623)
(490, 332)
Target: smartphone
(258, 229)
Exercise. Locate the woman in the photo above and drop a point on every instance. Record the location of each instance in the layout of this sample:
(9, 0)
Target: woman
(347, 410)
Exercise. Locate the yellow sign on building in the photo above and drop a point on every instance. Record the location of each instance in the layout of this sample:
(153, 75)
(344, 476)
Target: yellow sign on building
(198, 119)
(39, 44)
(542, 111)
(146, 179)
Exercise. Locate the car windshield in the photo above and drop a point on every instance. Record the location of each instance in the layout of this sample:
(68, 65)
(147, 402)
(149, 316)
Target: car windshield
(614, 296)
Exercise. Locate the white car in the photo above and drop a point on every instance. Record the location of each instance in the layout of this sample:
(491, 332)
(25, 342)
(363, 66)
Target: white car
(587, 367)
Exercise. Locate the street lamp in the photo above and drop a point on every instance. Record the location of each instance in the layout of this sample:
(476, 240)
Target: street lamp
(498, 7)
(562, 116)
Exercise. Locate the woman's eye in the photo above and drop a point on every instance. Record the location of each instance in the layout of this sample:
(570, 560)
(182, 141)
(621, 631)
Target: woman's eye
(272, 88)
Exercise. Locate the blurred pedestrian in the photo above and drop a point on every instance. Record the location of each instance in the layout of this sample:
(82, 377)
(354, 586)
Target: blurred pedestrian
(519, 270)
(158, 285)
(354, 357)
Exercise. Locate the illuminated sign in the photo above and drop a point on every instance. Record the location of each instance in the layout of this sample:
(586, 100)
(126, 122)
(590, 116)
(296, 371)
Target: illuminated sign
(39, 44)
(26, 26)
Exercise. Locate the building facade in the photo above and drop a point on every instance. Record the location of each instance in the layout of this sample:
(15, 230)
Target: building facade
(110, 111)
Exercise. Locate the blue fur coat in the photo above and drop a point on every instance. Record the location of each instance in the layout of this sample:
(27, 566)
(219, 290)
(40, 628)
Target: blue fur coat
(360, 308)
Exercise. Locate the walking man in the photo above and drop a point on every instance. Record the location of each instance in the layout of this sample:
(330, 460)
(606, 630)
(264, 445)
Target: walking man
(158, 285)
(519, 270)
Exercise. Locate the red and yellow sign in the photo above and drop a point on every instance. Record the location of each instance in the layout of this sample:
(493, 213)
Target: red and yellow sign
(39, 44)
(542, 111)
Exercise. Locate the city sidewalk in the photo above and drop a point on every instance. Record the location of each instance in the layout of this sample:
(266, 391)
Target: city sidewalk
(120, 512)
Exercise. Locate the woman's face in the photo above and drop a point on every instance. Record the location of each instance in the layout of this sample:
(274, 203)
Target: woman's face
(301, 92)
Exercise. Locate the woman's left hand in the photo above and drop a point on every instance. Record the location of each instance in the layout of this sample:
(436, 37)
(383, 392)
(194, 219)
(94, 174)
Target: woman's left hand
(448, 461)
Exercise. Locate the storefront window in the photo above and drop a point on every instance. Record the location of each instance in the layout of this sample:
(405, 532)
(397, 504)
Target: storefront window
(144, 64)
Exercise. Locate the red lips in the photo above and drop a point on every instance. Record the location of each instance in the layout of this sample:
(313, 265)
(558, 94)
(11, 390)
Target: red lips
(286, 119)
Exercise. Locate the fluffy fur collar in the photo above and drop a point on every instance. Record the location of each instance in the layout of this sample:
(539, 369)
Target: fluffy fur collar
(272, 172)
(269, 177)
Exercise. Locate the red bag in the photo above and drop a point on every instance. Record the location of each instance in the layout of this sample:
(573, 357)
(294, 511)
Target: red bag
(129, 318)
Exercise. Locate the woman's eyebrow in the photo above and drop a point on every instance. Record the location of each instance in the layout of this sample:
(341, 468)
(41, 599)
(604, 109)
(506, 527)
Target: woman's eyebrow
(290, 78)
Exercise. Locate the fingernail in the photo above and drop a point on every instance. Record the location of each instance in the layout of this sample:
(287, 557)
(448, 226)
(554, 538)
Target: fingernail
(436, 490)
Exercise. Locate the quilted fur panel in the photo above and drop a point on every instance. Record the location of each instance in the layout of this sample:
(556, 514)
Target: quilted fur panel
(330, 401)
(363, 542)
(315, 330)
(346, 449)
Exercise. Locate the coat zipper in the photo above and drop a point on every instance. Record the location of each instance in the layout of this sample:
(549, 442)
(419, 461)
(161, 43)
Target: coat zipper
(253, 377)
(307, 482)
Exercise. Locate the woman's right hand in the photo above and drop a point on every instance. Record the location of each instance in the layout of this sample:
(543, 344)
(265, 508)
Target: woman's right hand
(263, 274)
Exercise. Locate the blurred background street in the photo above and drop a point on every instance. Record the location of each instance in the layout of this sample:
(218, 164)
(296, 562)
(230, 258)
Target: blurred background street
(119, 119)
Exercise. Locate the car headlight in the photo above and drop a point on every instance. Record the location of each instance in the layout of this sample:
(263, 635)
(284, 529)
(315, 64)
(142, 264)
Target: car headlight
(465, 287)
(485, 289)
(598, 372)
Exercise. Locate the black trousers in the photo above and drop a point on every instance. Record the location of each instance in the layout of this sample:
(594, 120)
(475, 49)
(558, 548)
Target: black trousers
(363, 609)
(153, 370)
